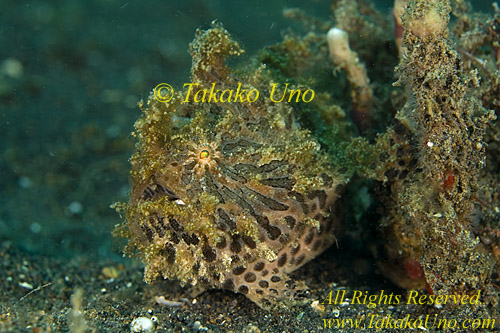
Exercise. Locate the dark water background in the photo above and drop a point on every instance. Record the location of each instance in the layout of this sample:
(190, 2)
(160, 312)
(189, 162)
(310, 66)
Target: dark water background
(71, 73)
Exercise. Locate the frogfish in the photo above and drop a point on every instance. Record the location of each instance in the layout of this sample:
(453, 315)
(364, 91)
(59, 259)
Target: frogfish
(227, 193)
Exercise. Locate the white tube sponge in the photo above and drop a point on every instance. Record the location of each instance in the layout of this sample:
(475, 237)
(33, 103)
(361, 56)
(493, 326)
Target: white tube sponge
(338, 45)
(361, 92)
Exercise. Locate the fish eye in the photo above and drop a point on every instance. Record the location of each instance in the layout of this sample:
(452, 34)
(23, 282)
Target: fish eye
(204, 154)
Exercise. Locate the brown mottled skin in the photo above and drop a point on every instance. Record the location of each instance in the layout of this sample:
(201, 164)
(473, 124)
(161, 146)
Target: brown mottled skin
(228, 195)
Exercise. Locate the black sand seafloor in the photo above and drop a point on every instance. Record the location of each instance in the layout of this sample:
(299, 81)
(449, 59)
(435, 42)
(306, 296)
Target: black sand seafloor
(407, 121)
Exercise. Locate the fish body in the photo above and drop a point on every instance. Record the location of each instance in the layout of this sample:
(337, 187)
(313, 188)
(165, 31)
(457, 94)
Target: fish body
(229, 195)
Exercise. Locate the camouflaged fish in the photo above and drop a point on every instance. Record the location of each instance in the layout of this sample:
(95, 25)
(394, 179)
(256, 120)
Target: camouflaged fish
(229, 195)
